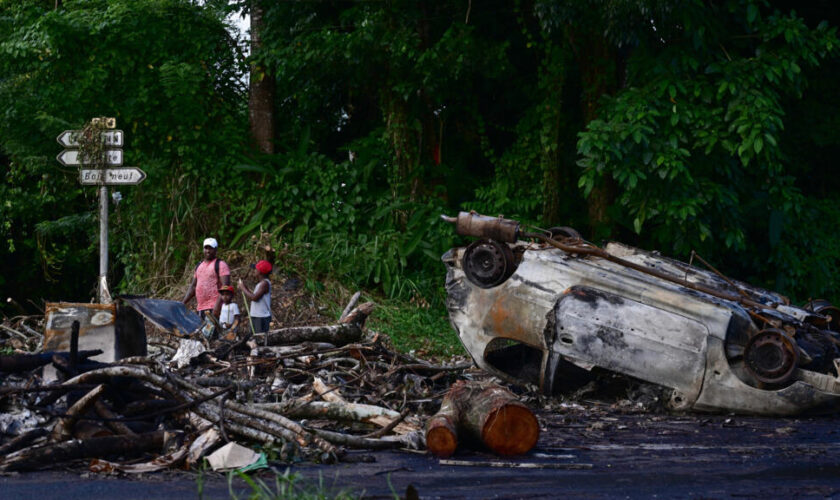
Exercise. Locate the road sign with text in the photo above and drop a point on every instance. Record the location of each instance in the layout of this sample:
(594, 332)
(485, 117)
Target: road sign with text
(125, 176)
(72, 158)
(110, 138)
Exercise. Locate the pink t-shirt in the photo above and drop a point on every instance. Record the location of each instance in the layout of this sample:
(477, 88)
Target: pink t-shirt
(206, 284)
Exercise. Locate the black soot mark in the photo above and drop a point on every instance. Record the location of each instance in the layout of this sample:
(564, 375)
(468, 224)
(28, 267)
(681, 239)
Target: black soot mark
(611, 337)
(592, 296)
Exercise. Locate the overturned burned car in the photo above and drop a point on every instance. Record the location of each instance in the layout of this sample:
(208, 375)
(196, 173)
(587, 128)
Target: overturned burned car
(537, 307)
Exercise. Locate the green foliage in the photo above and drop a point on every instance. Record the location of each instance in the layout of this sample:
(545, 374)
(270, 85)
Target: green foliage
(686, 117)
(165, 69)
(286, 486)
(694, 141)
(416, 325)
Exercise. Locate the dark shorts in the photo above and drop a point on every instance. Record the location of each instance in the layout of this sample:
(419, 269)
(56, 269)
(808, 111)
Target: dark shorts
(260, 324)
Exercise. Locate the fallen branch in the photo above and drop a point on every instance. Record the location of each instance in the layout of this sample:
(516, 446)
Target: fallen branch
(64, 429)
(112, 421)
(334, 334)
(23, 440)
(350, 305)
(359, 315)
(343, 411)
(51, 454)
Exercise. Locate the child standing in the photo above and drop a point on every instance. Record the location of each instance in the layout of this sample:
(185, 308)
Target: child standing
(260, 310)
(228, 313)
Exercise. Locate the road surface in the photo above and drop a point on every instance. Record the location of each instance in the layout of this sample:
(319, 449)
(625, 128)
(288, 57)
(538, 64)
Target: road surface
(585, 451)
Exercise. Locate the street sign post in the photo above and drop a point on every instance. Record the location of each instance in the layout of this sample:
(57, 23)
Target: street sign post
(110, 138)
(103, 176)
(72, 158)
(125, 176)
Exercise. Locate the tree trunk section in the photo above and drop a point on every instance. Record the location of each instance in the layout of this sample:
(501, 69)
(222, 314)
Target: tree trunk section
(503, 424)
(262, 89)
(490, 414)
(598, 68)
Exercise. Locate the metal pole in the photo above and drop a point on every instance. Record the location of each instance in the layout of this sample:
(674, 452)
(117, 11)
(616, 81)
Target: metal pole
(104, 294)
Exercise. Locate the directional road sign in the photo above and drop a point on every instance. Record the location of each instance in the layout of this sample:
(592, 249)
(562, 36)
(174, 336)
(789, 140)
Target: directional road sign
(112, 176)
(111, 138)
(71, 158)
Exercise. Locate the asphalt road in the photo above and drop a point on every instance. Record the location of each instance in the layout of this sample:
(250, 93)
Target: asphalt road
(589, 451)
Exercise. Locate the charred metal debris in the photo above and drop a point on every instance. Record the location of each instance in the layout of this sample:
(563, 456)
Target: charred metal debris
(550, 309)
(133, 404)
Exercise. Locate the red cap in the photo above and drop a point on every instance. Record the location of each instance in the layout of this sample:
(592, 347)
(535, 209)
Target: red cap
(226, 288)
(263, 267)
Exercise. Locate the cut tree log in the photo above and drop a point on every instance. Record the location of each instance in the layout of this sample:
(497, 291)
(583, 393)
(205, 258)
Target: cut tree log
(488, 413)
(501, 421)
(442, 427)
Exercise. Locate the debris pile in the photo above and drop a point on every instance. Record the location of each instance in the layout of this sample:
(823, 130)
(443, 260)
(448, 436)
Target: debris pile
(299, 393)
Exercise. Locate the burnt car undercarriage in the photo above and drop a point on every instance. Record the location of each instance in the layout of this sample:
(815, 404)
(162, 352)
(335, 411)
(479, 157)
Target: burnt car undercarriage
(542, 307)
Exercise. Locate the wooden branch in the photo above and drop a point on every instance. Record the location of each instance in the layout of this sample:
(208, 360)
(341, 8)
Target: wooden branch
(301, 435)
(343, 411)
(63, 430)
(111, 419)
(359, 315)
(202, 444)
(159, 463)
(350, 305)
(23, 440)
(59, 388)
(240, 424)
(390, 427)
(17, 363)
(334, 334)
(48, 455)
(357, 441)
(326, 392)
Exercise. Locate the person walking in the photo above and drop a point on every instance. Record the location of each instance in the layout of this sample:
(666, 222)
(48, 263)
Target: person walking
(260, 297)
(210, 274)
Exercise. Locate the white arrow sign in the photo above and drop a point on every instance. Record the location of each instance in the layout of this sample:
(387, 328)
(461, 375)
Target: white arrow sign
(112, 176)
(72, 158)
(70, 138)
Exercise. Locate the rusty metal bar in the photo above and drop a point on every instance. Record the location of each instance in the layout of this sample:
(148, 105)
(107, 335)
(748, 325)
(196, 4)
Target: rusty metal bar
(482, 226)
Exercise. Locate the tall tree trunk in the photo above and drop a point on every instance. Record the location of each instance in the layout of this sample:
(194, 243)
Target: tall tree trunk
(262, 89)
(597, 62)
(552, 75)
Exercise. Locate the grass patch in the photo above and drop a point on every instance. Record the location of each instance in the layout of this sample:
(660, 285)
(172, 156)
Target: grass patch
(287, 486)
(422, 329)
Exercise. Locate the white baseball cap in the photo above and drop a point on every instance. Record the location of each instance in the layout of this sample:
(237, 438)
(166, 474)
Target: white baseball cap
(211, 242)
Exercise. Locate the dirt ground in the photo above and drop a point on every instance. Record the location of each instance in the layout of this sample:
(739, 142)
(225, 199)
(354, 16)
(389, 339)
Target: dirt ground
(586, 450)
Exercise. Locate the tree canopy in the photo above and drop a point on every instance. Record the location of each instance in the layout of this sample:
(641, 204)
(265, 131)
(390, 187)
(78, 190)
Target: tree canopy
(681, 126)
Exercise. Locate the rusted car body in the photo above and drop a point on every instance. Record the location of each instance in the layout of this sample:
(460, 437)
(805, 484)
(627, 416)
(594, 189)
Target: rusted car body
(535, 308)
